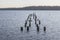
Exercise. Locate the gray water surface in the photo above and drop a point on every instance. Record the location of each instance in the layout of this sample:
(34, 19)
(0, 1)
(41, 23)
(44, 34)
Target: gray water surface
(12, 20)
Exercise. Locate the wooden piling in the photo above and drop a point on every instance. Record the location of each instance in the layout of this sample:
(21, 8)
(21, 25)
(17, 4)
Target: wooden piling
(25, 23)
(30, 22)
(44, 28)
(37, 27)
(39, 22)
(21, 28)
(27, 28)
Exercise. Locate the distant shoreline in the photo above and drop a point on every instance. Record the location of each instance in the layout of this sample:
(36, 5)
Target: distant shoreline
(34, 8)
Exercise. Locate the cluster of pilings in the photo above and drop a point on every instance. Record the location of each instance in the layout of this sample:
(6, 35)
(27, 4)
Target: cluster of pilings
(28, 21)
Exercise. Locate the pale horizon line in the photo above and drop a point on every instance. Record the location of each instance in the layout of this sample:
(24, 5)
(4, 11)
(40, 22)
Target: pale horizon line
(27, 6)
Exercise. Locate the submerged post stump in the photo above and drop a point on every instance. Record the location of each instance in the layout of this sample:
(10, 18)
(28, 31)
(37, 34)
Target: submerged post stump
(27, 28)
(21, 28)
(37, 27)
(44, 28)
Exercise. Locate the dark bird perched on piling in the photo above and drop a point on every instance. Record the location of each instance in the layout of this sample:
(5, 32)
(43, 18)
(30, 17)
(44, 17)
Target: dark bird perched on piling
(21, 28)
(44, 28)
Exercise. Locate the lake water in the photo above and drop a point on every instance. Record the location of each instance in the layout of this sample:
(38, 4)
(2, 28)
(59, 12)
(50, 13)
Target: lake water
(12, 20)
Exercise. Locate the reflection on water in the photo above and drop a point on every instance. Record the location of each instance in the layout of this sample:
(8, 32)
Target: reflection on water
(12, 21)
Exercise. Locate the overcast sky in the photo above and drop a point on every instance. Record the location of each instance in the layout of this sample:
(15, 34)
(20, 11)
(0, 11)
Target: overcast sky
(23, 3)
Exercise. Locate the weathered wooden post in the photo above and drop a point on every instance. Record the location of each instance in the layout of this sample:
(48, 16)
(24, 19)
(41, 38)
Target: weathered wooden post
(27, 28)
(44, 28)
(21, 28)
(30, 22)
(37, 27)
(28, 17)
(35, 19)
(33, 16)
(39, 22)
(25, 23)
